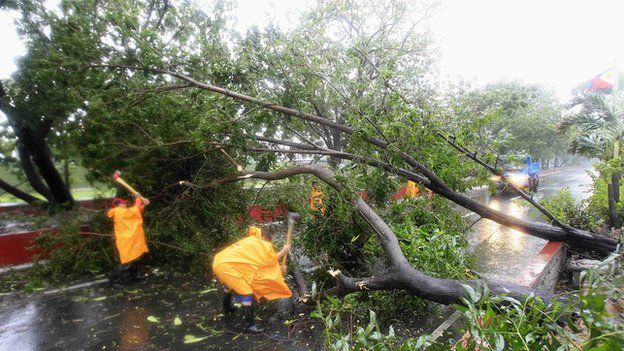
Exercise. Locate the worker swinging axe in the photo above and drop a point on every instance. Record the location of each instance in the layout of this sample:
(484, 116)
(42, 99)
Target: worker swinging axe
(118, 179)
(130, 239)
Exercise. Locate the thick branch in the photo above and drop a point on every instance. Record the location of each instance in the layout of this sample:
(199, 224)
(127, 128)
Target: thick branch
(400, 274)
(18, 193)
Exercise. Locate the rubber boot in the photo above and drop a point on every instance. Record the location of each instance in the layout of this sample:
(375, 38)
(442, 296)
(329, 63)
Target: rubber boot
(135, 273)
(250, 320)
(228, 306)
(122, 276)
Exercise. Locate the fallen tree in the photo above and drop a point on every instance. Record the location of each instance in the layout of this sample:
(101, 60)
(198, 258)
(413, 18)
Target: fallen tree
(398, 274)
(418, 172)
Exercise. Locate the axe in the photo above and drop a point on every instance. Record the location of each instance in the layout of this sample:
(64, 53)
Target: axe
(292, 218)
(118, 179)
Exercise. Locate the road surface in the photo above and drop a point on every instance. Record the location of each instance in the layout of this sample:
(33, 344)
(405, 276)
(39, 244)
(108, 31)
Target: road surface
(502, 253)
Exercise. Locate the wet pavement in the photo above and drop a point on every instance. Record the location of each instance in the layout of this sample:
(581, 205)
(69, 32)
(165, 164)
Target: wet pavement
(503, 253)
(166, 313)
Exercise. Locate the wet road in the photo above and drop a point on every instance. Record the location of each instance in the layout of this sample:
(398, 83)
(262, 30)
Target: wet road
(503, 253)
(142, 317)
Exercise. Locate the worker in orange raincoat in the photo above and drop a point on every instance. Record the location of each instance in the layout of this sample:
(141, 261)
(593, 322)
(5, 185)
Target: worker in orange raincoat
(411, 190)
(250, 269)
(316, 199)
(129, 236)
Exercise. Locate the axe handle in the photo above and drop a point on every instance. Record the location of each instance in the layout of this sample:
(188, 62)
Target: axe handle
(291, 225)
(126, 185)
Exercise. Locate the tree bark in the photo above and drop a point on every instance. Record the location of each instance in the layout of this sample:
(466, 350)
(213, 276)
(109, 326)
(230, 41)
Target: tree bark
(614, 221)
(18, 193)
(615, 179)
(33, 150)
(399, 274)
(29, 169)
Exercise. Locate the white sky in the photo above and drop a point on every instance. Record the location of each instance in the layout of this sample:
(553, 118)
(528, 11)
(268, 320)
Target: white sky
(557, 43)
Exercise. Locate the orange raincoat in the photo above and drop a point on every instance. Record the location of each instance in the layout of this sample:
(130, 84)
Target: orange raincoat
(129, 235)
(316, 201)
(411, 190)
(250, 267)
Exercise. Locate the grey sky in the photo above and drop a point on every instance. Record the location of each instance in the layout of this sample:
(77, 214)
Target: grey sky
(557, 43)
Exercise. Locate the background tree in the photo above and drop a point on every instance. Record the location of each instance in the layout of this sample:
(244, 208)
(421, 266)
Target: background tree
(595, 125)
(45, 98)
(510, 119)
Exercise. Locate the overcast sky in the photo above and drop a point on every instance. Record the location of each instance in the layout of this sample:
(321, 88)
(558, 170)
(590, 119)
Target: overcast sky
(557, 43)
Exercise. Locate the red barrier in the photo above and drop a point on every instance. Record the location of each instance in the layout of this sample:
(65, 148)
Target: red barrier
(262, 215)
(17, 248)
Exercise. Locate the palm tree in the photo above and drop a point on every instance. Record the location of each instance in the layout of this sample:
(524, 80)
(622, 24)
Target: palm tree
(595, 124)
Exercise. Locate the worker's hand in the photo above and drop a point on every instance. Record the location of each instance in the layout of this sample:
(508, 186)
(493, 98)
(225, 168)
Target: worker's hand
(145, 201)
(283, 267)
(286, 248)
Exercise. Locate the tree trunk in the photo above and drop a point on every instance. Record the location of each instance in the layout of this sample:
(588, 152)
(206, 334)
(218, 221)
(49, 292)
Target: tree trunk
(42, 158)
(33, 150)
(18, 193)
(614, 221)
(29, 169)
(615, 180)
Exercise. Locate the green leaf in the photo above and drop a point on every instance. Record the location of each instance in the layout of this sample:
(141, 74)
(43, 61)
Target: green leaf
(190, 339)
(153, 319)
(177, 321)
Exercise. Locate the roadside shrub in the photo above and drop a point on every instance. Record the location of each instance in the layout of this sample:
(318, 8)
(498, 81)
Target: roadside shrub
(578, 215)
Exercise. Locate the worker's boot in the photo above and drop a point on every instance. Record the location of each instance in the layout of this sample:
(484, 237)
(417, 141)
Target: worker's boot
(228, 305)
(135, 273)
(121, 277)
(250, 320)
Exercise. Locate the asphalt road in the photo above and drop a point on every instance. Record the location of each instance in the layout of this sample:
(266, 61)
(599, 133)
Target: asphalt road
(503, 253)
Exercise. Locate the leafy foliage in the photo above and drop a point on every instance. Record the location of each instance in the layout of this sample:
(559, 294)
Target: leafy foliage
(586, 322)
(511, 119)
(582, 216)
(370, 337)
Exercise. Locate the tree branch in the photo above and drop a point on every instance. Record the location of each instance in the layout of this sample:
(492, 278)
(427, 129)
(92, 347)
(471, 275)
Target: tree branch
(399, 275)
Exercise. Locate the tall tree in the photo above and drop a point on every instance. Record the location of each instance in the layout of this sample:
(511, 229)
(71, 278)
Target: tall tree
(595, 125)
(45, 97)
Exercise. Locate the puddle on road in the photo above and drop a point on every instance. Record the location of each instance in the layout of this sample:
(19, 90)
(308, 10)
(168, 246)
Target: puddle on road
(503, 252)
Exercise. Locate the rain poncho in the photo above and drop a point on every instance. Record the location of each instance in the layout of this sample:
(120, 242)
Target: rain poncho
(411, 190)
(129, 235)
(316, 201)
(250, 267)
